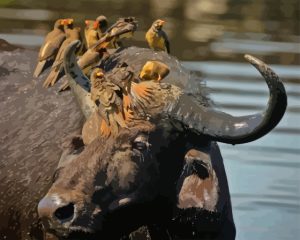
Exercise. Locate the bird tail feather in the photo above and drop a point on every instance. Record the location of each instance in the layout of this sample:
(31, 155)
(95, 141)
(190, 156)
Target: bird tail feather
(39, 68)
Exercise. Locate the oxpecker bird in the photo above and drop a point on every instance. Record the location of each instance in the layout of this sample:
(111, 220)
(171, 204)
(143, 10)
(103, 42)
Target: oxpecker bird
(50, 47)
(105, 94)
(157, 39)
(154, 70)
(94, 30)
(94, 54)
(91, 33)
(123, 28)
(98, 51)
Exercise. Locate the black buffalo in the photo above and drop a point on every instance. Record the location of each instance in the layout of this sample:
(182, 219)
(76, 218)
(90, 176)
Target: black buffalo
(164, 170)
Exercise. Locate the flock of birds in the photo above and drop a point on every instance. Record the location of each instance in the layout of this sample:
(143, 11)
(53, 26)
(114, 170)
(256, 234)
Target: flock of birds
(99, 38)
(117, 95)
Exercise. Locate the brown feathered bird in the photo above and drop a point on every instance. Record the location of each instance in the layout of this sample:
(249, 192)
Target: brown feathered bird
(91, 33)
(110, 107)
(157, 39)
(94, 30)
(154, 70)
(98, 51)
(72, 34)
(50, 47)
(94, 54)
(123, 28)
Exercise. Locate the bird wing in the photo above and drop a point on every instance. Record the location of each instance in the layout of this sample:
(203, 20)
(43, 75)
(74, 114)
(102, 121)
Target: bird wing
(167, 43)
(143, 90)
(57, 67)
(123, 29)
(51, 46)
(142, 95)
(60, 55)
(89, 58)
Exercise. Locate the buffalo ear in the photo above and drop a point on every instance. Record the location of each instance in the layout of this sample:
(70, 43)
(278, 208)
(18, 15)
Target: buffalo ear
(198, 184)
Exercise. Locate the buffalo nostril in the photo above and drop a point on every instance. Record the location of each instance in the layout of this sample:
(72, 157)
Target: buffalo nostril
(65, 213)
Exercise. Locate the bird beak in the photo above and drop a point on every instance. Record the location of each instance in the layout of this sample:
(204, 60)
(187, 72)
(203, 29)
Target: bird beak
(162, 22)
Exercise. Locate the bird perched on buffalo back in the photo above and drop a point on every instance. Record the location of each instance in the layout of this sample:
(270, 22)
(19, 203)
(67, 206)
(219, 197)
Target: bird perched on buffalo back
(90, 59)
(123, 28)
(157, 39)
(91, 33)
(72, 34)
(94, 30)
(94, 54)
(50, 47)
(154, 70)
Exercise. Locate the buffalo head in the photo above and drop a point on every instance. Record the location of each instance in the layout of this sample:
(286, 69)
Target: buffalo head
(123, 180)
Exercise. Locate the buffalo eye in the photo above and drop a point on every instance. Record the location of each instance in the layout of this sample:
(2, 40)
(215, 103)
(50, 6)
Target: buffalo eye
(141, 143)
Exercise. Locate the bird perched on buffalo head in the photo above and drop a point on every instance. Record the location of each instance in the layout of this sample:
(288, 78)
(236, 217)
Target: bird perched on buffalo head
(105, 94)
(157, 39)
(92, 57)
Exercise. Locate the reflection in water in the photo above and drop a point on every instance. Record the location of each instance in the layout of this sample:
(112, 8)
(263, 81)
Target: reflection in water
(264, 176)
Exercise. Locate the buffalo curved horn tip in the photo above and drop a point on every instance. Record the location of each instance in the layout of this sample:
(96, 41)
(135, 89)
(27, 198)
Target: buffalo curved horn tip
(223, 127)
